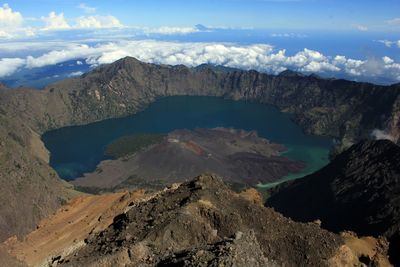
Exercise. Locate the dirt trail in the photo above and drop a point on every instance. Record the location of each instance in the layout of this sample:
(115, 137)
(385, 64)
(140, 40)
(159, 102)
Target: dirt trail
(66, 230)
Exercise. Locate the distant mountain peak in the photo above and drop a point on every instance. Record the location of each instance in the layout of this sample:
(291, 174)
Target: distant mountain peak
(201, 27)
(217, 68)
(290, 73)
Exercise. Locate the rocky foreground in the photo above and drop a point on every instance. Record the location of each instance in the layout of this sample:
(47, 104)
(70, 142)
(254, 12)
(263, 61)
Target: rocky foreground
(358, 191)
(197, 223)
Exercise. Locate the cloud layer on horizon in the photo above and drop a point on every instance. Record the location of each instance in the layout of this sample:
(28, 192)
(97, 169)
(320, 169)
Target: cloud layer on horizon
(261, 57)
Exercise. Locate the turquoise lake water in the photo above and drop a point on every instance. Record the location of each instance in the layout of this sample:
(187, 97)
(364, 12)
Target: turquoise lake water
(78, 149)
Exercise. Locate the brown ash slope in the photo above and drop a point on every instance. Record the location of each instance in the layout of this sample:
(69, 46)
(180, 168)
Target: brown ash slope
(203, 223)
(343, 109)
(359, 191)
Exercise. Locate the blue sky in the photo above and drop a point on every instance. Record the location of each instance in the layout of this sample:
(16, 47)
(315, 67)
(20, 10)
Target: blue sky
(353, 39)
(286, 14)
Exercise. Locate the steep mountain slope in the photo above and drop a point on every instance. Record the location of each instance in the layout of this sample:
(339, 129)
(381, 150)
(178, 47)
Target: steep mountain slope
(343, 109)
(359, 191)
(29, 187)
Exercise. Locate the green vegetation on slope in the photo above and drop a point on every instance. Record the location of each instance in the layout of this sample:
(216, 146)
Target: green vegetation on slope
(130, 144)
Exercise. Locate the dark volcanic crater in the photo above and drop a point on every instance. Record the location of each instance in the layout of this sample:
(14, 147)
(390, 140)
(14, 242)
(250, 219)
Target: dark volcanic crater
(241, 157)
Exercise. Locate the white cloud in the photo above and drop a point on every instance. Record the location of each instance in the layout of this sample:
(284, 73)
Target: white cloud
(360, 27)
(11, 24)
(389, 43)
(10, 18)
(171, 30)
(73, 51)
(260, 57)
(382, 135)
(372, 67)
(10, 65)
(55, 22)
(76, 73)
(289, 35)
(395, 22)
(86, 8)
(387, 60)
(98, 22)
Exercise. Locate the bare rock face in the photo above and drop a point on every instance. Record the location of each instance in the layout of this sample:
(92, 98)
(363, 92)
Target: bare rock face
(203, 223)
(357, 191)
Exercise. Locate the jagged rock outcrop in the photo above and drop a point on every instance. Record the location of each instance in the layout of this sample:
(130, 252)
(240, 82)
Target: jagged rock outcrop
(342, 109)
(358, 191)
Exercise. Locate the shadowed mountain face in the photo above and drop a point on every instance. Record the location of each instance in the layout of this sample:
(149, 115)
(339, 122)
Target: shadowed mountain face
(343, 109)
(359, 191)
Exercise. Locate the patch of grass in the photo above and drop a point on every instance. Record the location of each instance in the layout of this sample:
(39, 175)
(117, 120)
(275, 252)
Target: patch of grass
(128, 145)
